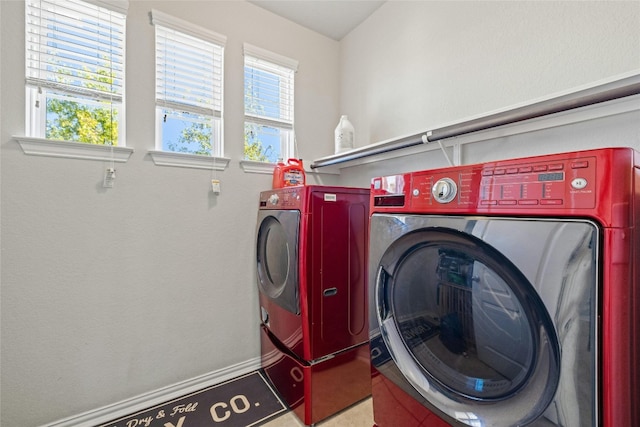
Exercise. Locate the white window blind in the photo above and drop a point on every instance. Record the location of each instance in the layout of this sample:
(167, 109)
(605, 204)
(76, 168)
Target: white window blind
(189, 85)
(269, 88)
(188, 72)
(269, 104)
(76, 47)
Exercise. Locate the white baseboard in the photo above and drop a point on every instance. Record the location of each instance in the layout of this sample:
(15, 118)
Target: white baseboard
(141, 402)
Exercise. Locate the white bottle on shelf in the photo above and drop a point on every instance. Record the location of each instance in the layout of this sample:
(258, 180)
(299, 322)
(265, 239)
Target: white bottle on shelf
(344, 135)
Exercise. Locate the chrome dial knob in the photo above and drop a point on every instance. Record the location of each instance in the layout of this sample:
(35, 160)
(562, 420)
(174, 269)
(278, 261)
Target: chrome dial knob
(444, 190)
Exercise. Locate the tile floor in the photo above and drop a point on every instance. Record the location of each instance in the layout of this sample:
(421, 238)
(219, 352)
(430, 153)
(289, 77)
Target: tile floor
(358, 415)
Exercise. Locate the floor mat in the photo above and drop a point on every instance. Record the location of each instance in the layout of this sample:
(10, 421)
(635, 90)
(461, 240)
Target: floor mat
(241, 402)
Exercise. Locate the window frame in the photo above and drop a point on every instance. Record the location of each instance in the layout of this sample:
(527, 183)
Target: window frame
(179, 31)
(44, 83)
(268, 62)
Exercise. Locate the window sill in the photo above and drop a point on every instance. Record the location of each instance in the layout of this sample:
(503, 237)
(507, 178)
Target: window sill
(72, 150)
(183, 160)
(252, 166)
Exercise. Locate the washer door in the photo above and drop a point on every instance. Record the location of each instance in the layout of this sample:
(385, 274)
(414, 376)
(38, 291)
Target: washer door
(277, 257)
(466, 328)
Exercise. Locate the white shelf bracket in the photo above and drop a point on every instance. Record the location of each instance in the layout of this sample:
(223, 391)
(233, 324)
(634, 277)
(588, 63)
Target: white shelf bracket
(456, 150)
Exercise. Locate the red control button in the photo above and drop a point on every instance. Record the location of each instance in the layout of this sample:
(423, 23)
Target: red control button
(488, 202)
(487, 172)
(556, 167)
(580, 165)
(507, 202)
(552, 202)
(512, 170)
(499, 172)
(528, 202)
(525, 169)
(540, 168)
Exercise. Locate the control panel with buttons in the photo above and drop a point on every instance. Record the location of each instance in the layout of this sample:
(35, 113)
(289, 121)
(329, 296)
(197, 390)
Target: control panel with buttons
(545, 185)
(590, 183)
(284, 198)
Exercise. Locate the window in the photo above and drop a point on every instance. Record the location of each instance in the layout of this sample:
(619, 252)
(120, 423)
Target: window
(188, 87)
(75, 70)
(268, 105)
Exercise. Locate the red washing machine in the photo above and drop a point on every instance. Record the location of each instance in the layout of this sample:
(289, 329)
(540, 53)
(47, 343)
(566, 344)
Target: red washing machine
(508, 293)
(312, 243)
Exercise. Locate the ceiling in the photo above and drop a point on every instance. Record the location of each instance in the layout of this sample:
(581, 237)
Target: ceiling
(332, 18)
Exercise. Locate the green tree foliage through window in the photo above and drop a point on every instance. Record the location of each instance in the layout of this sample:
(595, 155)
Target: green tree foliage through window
(196, 134)
(88, 122)
(253, 149)
(72, 121)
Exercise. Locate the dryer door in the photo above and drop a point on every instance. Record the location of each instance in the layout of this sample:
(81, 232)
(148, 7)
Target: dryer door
(277, 257)
(466, 328)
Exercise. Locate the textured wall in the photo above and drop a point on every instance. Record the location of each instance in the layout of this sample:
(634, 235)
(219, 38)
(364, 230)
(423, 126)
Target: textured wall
(414, 66)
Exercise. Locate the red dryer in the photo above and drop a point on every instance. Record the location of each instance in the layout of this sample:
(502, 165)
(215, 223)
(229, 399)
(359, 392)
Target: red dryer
(311, 252)
(508, 293)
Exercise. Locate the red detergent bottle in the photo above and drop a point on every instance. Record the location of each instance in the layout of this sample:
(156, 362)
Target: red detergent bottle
(289, 174)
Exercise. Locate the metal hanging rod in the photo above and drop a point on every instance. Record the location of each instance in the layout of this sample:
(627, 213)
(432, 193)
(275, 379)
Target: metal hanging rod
(627, 86)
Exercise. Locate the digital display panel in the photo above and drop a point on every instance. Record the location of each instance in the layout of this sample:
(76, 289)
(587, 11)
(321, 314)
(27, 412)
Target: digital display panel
(554, 176)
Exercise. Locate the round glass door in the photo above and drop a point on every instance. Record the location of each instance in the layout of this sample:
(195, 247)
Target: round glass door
(465, 326)
(277, 258)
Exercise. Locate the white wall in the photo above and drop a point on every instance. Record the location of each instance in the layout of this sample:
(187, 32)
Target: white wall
(107, 294)
(418, 65)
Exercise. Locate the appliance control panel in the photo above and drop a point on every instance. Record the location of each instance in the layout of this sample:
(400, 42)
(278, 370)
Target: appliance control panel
(564, 184)
(548, 182)
(601, 183)
(282, 198)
